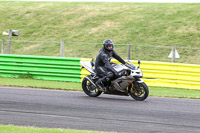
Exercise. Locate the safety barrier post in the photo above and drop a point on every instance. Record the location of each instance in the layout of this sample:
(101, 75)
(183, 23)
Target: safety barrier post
(9, 41)
(62, 48)
(2, 46)
(173, 54)
(128, 51)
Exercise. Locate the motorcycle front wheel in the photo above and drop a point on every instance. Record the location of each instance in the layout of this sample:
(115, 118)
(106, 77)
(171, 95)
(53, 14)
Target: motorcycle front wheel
(90, 89)
(138, 91)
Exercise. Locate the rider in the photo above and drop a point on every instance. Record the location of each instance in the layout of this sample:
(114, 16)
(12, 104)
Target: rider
(103, 67)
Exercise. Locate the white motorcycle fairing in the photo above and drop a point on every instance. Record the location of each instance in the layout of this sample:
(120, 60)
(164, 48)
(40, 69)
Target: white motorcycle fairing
(129, 83)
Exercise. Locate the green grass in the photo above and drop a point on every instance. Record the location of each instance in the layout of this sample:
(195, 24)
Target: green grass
(125, 23)
(174, 92)
(18, 129)
(154, 91)
(46, 84)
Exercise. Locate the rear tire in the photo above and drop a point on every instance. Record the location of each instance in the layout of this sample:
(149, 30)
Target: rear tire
(90, 89)
(139, 93)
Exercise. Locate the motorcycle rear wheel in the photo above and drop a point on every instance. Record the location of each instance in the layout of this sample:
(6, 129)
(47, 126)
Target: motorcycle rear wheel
(89, 88)
(139, 93)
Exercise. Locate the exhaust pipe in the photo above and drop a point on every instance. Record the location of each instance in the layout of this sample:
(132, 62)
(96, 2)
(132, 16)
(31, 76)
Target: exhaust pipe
(90, 81)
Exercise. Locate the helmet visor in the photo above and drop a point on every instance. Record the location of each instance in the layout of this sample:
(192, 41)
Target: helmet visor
(110, 46)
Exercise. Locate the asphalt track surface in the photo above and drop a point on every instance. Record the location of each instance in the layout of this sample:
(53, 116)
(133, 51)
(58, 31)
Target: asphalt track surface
(75, 110)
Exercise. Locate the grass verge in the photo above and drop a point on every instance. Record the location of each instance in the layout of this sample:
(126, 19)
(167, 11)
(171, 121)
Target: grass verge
(17, 129)
(141, 24)
(154, 91)
(45, 84)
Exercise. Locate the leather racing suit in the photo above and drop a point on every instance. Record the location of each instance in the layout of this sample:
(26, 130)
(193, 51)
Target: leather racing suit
(103, 66)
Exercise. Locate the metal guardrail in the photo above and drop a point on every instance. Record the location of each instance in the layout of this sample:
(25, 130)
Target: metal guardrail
(159, 74)
(40, 67)
(174, 75)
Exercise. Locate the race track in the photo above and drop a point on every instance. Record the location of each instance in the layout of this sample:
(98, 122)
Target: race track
(75, 110)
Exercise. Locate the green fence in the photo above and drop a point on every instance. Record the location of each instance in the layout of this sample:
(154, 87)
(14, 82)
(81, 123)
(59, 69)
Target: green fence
(40, 67)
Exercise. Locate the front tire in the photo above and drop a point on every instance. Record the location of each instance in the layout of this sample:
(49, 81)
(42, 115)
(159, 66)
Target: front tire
(90, 89)
(138, 91)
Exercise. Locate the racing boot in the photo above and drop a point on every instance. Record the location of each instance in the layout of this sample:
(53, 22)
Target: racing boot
(99, 86)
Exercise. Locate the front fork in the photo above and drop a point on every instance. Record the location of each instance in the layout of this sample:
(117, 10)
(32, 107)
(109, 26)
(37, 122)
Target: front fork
(135, 85)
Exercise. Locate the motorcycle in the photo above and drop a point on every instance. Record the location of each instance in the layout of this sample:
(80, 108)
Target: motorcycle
(129, 83)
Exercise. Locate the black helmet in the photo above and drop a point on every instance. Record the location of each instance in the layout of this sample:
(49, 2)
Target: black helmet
(107, 43)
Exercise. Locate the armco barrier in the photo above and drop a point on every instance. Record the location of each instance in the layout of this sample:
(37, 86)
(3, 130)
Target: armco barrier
(40, 67)
(159, 74)
(162, 74)
(171, 75)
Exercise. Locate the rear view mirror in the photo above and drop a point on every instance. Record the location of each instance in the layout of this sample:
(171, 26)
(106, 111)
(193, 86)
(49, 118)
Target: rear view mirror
(139, 63)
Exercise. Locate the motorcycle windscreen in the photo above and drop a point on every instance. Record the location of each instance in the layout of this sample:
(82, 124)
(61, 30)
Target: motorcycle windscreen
(87, 65)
